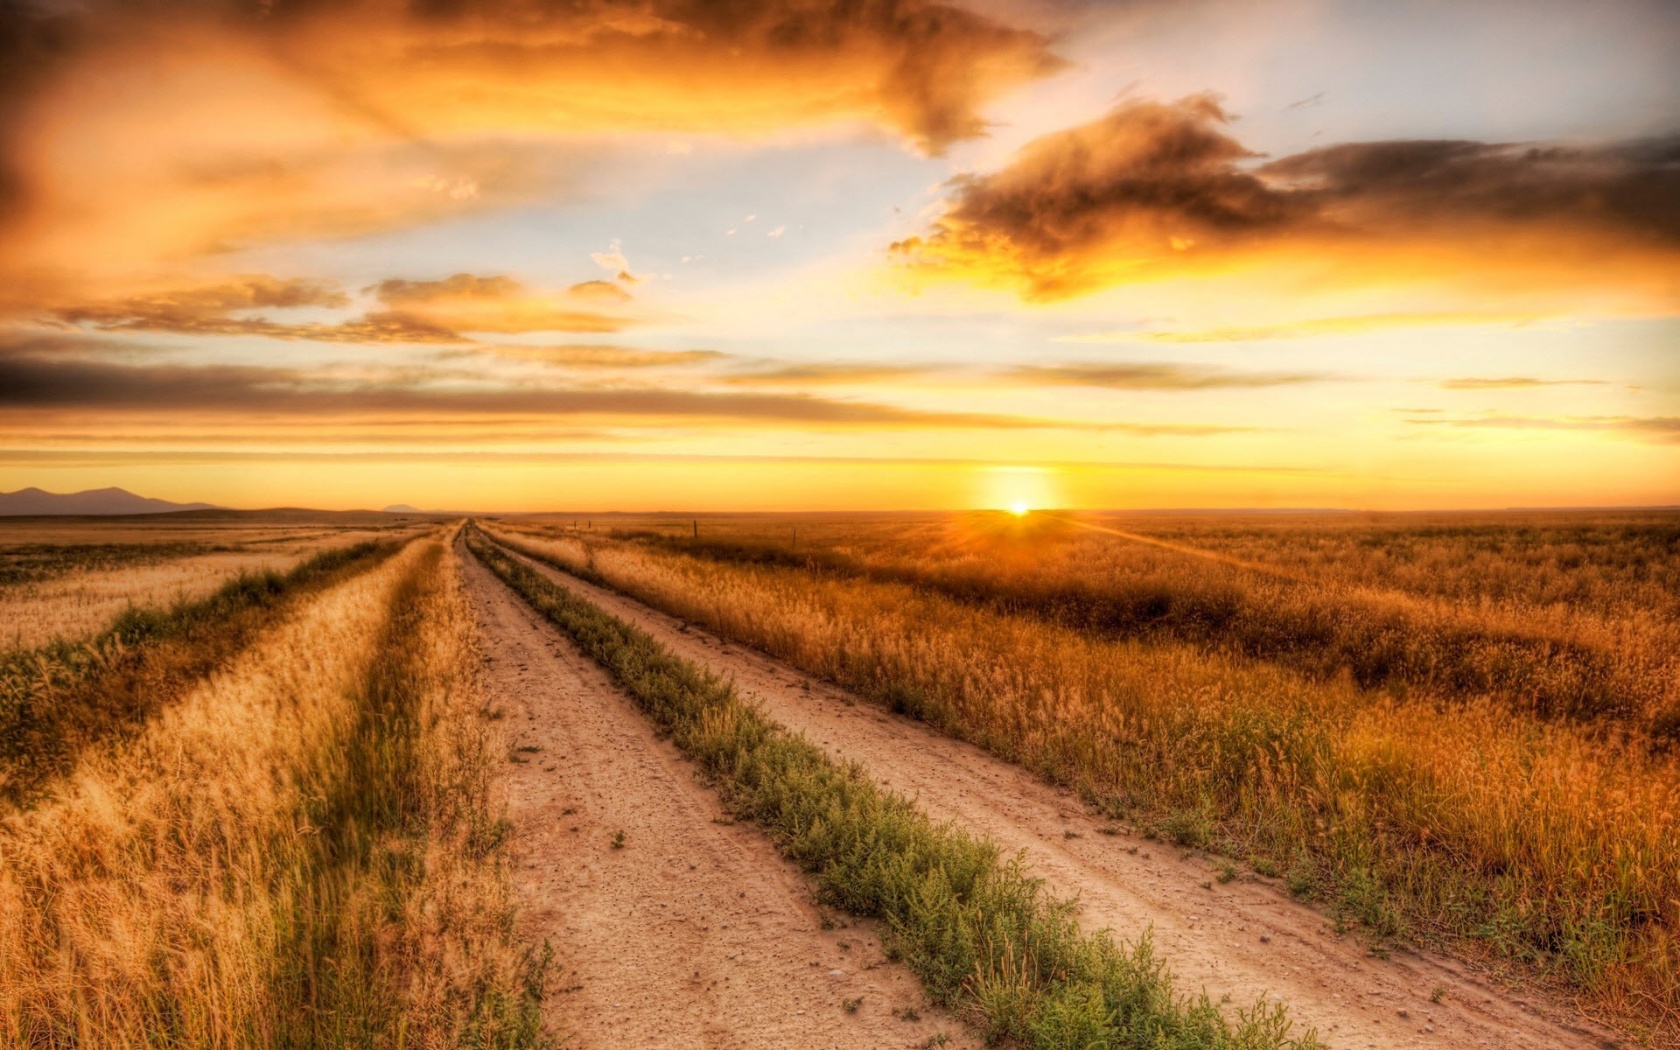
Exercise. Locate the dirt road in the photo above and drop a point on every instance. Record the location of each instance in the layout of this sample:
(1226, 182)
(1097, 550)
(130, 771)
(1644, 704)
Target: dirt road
(1243, 941)
(692, 933)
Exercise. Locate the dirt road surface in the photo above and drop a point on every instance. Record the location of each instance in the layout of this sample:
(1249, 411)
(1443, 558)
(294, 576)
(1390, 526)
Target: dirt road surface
(694, 933)
(1245, 940)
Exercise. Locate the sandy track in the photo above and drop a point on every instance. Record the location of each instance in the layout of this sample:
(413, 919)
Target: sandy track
(695, 933)
(1245, 939)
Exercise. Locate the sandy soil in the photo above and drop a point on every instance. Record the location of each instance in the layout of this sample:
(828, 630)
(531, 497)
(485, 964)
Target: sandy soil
(1245, 940)
(695, 933)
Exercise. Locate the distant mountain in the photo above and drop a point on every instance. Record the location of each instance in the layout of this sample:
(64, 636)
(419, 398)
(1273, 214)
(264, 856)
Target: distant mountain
(94, 501)
(402, 508)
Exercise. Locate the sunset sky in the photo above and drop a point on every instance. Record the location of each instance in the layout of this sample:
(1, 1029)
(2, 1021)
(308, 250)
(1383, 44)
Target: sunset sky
(818, 254)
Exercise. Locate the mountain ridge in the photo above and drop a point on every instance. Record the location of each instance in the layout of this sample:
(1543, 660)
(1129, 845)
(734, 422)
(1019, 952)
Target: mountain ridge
(105, 502)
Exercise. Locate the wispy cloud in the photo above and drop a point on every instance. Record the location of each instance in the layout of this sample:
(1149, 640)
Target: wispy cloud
(602, 355)
(829, 374)
(1512, 382)
(1157, 375)
(1307, 328)
(497, 303)
(46, 378)
(1660, 429)
(416, 311)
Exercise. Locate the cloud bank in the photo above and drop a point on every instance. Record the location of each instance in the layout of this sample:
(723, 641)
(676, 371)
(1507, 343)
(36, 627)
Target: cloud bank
(1158, 190)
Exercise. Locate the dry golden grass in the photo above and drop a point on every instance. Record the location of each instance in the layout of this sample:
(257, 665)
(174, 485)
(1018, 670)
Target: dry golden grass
(304, 851)
(1569, 616)
(78, 604)
(1463, 821)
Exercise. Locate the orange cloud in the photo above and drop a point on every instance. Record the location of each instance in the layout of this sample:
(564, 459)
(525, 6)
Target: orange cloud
(132, 135)
(1157, 375)
(221, 308)
(417, 311)
(1154, 191)
(469, 303)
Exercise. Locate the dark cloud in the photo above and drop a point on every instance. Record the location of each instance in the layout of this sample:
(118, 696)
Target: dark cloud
(33, 42)
(1628, 191)
(1160, 376)
(44, 377)
(1154, 189)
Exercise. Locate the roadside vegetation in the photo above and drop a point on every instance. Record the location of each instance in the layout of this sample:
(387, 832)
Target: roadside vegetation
(982, 935)
(58, 699)
(1437, 809)
(304, 850)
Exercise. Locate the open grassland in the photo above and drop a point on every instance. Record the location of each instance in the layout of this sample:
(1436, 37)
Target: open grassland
(1504, 781)
(980, 933)
(68, 580)
(1564, 616)
(62, 697)
(303, 849)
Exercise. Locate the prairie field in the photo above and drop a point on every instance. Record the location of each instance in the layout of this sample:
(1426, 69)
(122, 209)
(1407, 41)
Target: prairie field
(67, 580)
(1040, 781)
(1452, 731)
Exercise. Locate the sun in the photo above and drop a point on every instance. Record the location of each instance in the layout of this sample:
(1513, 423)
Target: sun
(1020, 509)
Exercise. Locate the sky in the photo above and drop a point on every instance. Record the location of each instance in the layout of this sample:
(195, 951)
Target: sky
(507, 255)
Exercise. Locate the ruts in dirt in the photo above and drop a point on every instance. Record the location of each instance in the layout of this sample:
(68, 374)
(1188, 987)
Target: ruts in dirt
(1244, 942)
(691, 931)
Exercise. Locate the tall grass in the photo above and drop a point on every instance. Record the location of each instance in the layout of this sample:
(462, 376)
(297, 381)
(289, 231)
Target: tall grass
(305, 851)
(82, 592)
(1538, 649)
(30, 562)
(982, 935)
(1462, 824)
(58, 699)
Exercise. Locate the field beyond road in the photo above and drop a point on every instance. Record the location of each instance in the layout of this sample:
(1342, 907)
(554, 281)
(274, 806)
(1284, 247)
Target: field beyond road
(1042, 781)
(1448, 731)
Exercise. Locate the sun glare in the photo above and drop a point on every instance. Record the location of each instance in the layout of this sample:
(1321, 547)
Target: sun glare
(1017, 490)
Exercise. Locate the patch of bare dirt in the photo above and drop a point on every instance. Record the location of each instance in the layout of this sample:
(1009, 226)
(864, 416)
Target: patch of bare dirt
(1243, 941)
(693, 933)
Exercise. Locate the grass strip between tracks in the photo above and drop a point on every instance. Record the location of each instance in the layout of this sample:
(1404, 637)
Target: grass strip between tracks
(397, 912)
(59, 698)
(310, 854)
(981, 933)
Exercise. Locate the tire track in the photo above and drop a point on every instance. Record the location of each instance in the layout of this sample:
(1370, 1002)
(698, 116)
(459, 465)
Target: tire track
(1241, 941)
(694, 933)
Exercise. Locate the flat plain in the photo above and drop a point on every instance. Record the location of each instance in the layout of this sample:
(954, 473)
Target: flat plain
(853, 780)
